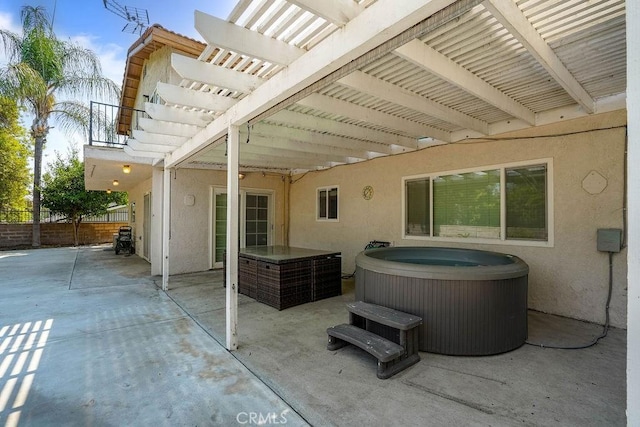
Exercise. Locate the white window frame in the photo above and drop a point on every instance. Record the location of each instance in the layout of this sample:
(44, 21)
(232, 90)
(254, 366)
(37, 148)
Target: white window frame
(154, 98)
(327, 189)
(549, 243)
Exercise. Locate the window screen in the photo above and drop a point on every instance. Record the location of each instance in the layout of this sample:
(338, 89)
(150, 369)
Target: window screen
(417, 220)
(467, 205)
(526, 195)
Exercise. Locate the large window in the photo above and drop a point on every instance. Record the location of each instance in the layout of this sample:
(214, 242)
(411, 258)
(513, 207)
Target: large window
(494, 203)
(327, 204)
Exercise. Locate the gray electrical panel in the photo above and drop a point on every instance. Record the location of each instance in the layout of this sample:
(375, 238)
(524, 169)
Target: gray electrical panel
(609, 239)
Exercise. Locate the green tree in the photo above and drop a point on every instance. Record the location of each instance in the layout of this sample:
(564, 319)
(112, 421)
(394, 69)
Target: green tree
(14, 154)
(41, 73)
(63, 192)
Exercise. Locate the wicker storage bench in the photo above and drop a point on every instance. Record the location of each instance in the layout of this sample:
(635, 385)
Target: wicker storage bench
(282, 276)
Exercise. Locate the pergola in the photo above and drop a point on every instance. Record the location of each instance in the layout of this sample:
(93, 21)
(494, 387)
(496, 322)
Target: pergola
(316, 84)
(312, 84)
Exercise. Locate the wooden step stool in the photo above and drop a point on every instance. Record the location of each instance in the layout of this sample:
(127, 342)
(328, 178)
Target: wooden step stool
(396, 351)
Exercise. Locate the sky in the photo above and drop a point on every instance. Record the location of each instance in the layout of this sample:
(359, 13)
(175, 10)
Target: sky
(90, 24)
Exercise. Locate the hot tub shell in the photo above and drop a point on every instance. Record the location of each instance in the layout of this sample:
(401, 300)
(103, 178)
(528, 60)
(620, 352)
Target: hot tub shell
(477, 307)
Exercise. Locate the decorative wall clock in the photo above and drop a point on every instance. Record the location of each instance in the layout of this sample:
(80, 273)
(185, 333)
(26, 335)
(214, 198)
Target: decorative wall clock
(367, 192)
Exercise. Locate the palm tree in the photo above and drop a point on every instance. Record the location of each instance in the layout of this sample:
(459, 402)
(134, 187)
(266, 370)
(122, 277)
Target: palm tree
(50, 78)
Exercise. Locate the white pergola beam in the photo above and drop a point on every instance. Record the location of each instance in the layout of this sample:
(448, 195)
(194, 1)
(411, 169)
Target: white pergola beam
(434, 62)
(512, 18)
(168, 128)
(264, 161)
(307, 121)
(338, 12)
(241, 40)
(295, 145)
(321, 139)
(158, 139)
(390, 92)
(214, 75)
(368, 115)
(265, 150)
(193, 98)
(141, 147)
(178, 115)
(376, 24)
(139, 153)
(196, 164)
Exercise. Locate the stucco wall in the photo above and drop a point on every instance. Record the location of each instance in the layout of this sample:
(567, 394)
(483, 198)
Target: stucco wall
(156, 69)
(570, 278)
(136, 195)
(190, 231)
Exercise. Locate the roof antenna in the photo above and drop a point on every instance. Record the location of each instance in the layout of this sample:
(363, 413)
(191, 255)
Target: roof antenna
(53, 18)
(137, 19)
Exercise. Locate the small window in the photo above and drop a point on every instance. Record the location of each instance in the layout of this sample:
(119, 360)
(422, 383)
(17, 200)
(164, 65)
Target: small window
(417, 218)
(155, 98)
(327, 203)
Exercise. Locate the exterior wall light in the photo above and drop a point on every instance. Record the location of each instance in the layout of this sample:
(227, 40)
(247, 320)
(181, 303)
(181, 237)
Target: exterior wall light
(126, 169)
(241, 176)
(115, 182)
(108, 191)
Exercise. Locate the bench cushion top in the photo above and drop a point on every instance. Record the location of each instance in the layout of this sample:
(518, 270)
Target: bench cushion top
(384, 315)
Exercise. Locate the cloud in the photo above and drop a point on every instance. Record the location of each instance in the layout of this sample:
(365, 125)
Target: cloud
(7, 23)
(112, 56)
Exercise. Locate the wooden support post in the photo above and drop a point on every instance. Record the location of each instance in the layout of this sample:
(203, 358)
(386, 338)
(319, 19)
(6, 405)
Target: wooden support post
(633, 230)
(166, 227)
(233, 138)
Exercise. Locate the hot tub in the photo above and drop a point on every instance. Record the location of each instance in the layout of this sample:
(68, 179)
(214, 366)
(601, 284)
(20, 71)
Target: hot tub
(472, 302)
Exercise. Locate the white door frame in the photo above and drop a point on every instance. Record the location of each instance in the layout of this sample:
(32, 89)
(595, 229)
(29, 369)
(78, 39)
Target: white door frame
(217, 189)
(146, 226)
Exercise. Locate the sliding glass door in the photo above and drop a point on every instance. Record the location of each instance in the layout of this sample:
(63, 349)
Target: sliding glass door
(255, 221)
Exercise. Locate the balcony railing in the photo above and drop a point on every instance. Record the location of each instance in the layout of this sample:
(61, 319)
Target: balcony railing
(111, 125)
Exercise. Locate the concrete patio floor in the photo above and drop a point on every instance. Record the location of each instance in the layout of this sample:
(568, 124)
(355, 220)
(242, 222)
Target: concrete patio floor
(117, 351)
(86, 339)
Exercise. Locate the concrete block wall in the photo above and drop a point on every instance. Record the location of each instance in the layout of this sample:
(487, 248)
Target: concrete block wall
(58, 234)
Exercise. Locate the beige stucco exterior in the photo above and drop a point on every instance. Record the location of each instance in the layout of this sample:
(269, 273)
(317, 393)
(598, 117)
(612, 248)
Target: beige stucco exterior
(190, 244)
(136, 198)
(191, 229)
(156, 69)
(570, 278)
